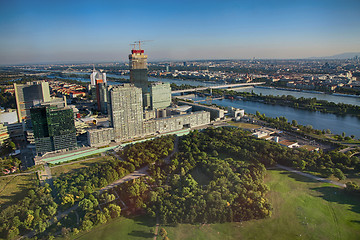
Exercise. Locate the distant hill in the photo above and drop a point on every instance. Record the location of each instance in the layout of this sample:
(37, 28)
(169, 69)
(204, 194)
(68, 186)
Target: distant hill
(340, 56)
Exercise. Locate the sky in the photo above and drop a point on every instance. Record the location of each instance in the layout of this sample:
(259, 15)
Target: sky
(33, 31)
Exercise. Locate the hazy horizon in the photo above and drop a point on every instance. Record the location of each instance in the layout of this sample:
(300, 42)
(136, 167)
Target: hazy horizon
(90, 31)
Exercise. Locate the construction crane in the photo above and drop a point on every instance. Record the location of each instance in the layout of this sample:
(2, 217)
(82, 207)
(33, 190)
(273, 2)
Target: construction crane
(138, 43)
(133, 45)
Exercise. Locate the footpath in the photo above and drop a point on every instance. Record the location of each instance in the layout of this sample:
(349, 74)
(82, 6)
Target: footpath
(310, 176)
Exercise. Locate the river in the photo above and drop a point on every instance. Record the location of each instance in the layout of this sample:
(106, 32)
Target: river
(318, 95)
(336, 123)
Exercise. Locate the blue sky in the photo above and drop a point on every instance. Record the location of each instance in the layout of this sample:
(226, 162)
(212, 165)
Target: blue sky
(93, 31)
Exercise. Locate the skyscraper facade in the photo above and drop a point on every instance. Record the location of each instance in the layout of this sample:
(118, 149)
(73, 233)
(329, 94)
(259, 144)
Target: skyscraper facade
(138, 69)
(28, 95)
(126, 111)
(160, 95)
(54, 128)
(96, 75)
(103, 97)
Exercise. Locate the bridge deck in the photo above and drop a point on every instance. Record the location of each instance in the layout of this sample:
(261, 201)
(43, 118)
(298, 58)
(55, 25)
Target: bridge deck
(217, 87)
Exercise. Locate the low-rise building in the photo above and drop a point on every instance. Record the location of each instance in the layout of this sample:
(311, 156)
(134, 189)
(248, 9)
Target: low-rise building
(289, 144)
(215, 112)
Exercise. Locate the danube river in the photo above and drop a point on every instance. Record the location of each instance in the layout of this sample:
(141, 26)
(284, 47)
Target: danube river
(336, 123)
(298, 94)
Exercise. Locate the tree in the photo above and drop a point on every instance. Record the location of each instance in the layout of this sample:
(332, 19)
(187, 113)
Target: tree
(115, 210)
(75, 231)
(352, 187)
(101, 218)
(68, 199)
(86, 205)
(12, 232)
(215, 153)
(294, 123)
(86, 225)
(339, 174)
(65, 232)
(163, 232)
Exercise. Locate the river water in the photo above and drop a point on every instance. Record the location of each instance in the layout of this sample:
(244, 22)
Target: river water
(336, 123)
(320, 96)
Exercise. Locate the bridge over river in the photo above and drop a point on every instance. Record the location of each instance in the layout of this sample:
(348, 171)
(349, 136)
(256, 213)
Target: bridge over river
(236, 85)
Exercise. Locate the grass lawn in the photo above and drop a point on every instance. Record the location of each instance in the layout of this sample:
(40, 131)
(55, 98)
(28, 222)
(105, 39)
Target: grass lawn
(303, 209)
(122, 228)
(66, 168)
(244, 125)
(13, 189)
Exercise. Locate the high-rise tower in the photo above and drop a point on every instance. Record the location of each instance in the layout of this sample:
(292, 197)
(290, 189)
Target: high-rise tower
(138, 69)
(28, 95)
(126, 111)
(96, 75)
(54, 128)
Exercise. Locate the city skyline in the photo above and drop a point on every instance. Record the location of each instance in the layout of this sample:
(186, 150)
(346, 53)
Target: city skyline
(45, 32)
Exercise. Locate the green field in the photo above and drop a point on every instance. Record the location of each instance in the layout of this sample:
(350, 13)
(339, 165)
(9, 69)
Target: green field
(303, 209)
(13, 189)
(122, 228)
(66, 168)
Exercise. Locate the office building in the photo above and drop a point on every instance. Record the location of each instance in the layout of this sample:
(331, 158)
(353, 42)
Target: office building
(103, 97)
(28, 95)
(138, 69)
(160, 94)
(54, 128)
(96, 75)
(126, 111)
(97, 78)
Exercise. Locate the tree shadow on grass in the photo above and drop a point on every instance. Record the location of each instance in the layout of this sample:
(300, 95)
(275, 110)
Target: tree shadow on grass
(15, 196)
(145, 220)
(141, 234)
(298, 177)
(337, 195)
(355, 221)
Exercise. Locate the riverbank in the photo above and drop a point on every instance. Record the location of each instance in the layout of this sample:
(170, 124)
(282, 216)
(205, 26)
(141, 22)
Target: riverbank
(308, 91)
(309, 104)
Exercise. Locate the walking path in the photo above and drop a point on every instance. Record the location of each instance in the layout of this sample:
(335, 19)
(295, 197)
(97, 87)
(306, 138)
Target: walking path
(17, 174)
(156, 228)
(138, 173)
(310, 176)
(45, 175)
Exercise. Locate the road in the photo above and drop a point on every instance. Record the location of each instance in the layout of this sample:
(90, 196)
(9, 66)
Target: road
(311, 176)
